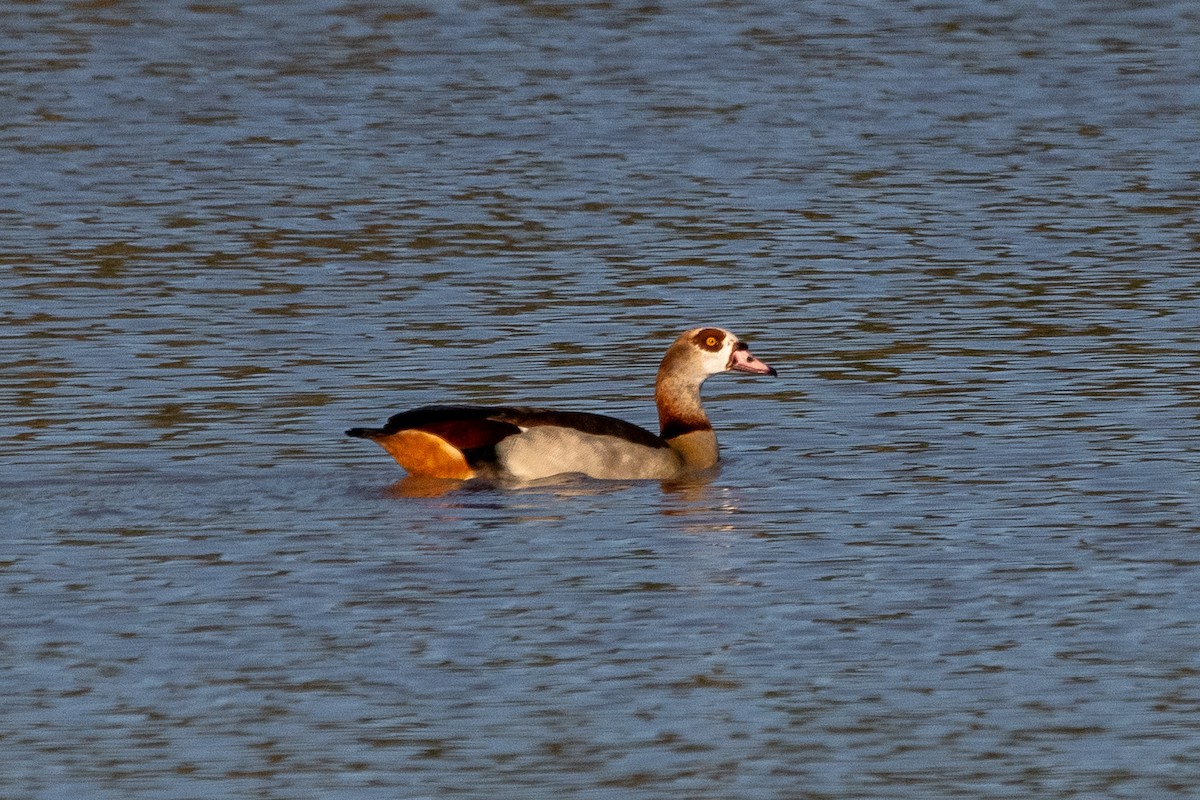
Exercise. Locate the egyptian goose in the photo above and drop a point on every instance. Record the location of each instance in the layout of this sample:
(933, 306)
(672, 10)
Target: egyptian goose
(526, 444)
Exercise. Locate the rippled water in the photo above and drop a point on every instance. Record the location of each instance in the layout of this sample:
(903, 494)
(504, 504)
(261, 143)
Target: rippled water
(952, 550)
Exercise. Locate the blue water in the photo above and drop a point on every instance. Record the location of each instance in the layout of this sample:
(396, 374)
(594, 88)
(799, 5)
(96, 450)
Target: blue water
(950, 551)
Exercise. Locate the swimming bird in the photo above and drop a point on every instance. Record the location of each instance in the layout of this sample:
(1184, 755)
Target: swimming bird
(525, 444)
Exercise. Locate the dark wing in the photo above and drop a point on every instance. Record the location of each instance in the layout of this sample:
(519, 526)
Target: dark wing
(476, 430)
(594, 424)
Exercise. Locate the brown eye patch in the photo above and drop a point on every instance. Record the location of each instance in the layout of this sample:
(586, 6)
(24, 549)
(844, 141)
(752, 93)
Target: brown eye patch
(709, 339)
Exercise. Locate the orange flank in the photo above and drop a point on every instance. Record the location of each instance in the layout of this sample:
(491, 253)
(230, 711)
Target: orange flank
(426, 455)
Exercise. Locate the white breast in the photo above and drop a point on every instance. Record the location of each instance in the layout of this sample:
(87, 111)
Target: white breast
(547, 450)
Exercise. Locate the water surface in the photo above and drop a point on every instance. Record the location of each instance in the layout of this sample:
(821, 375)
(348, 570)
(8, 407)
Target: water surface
(951, 551)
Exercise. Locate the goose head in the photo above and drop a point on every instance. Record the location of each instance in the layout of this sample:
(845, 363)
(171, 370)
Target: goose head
(703, 352)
